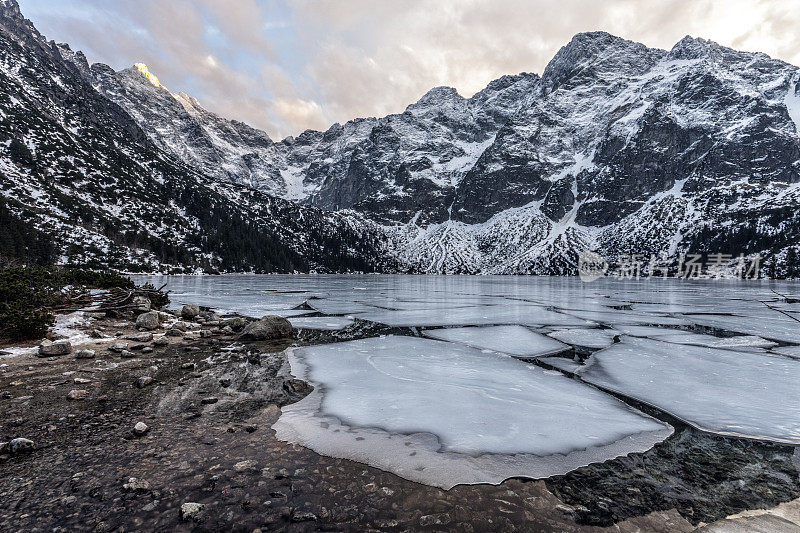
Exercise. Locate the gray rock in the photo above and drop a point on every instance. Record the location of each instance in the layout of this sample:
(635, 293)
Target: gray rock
(77, 394)
(144, 336)
(271, 327)
(140, 429)
(148, 321)
(21, 445)
(118, 347)
(174, 332)
(53, 349)
(143, 382)
(147, 349)
(136, 485)
(161, 341)
(125, 354)
(191, 511)
(190, 311)
(84, 354)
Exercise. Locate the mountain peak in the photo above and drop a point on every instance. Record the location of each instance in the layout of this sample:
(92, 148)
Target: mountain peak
(143, 70)
(602, 50)
(436, 97)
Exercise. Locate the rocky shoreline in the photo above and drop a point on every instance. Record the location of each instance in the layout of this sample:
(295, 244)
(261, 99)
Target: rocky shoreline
(161, 420)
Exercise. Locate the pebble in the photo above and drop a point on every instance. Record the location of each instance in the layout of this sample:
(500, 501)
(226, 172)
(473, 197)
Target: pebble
(440, 519)
(84, 354)
(191, 510)
(244, 466)
(147, 349)
(77, 394)
(136, 485)
(21, 445)
(118, 347)
(143, 382)
(125, 354)
(140, 429)
(161, 341)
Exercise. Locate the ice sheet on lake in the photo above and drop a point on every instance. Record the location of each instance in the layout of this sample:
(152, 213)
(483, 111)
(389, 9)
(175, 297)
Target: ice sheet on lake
(589, 338)
(646, 331)
(330, 323)
(286, 313)
(513, 340)
(338, 307)
(445, 414)
(613, 318)
(512, 313)
(790, 351)
(732, 393)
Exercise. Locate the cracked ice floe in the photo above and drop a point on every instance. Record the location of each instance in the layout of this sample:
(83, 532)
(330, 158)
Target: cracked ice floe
(330, 323)
(589, 338)
(518, 341)
(741, 394)
(475, 316)
(769, 326)
(446, 414)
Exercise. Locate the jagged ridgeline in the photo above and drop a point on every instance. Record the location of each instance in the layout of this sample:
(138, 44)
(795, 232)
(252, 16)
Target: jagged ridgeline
(616, 147)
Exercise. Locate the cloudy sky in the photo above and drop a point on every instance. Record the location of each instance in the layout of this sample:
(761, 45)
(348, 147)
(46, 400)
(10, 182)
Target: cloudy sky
(285, 66)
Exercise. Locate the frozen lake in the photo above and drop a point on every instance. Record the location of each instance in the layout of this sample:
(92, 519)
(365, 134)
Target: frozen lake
(461, 379)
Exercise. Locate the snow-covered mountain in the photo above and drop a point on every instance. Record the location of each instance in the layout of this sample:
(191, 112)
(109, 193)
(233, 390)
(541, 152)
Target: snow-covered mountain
(80, 169)
(617, 148)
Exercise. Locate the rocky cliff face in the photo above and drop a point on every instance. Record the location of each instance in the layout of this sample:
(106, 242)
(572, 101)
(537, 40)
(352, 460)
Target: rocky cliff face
(617, 148)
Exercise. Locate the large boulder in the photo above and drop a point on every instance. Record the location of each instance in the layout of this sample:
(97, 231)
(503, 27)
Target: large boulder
(190, 311)
(53, 349)
(148, 321)
(271, 327)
